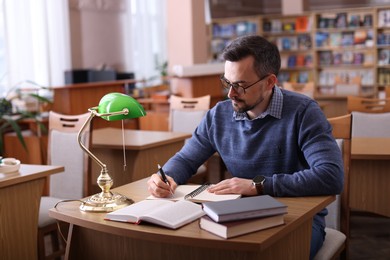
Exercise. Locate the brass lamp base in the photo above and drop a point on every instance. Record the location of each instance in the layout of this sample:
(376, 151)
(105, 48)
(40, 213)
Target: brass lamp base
(105, 202)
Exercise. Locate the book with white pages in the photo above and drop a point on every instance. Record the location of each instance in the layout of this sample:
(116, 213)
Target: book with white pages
(167, 213)
(196, 193)
(239, 227)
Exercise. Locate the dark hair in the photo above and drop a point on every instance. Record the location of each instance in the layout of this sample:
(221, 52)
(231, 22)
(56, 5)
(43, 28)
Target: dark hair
(266, 54)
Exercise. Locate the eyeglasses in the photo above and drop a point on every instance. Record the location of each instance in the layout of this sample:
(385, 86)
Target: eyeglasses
(226, 84)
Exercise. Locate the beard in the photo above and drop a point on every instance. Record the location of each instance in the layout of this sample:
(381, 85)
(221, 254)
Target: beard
(240, 106)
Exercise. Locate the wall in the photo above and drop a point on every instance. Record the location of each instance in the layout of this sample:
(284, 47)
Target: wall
(98, 33)
(187, 32)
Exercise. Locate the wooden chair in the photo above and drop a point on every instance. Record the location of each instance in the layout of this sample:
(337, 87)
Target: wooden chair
(368, 105)
(185, 115)
(348, 86)
(306, 89)
(337, 221)
(63, 149)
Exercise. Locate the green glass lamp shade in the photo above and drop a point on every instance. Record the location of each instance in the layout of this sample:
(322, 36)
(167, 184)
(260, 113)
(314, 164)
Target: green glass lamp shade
(117, 102)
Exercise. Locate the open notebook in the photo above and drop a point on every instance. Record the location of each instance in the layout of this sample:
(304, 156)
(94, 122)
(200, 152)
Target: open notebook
(197, 193)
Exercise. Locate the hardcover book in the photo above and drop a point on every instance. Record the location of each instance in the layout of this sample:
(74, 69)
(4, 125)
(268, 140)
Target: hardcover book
(240, 227)
(165, 213)
(244, 208)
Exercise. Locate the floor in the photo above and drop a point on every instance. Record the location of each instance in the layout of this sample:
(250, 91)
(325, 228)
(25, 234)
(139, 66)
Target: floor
(370, 237)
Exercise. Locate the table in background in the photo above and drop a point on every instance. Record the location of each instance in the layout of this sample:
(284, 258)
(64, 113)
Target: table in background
(144, 150)
(92, 237)
(370, 175)
(20, 195)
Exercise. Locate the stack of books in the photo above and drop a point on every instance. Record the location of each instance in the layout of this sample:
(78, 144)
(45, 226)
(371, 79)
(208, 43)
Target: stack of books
(231, 218)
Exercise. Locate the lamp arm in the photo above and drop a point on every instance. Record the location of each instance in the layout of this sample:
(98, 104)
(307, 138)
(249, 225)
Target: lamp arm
(101, 164)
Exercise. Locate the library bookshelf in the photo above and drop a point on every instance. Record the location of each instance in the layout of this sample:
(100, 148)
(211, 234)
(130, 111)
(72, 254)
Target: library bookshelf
(331, 48)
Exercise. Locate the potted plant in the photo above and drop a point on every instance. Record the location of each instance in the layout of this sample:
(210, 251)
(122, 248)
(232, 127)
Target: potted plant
(11, 117)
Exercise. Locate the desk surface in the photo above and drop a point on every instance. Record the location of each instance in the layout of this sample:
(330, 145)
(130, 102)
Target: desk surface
(370, 148)
(28, 172)
(134, 139)
(300, 210)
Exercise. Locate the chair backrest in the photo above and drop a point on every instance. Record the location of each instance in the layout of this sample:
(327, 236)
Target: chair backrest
(348, 86)
(368, 105)
(338, 213)
(306, 89)
(370, 124)
(185, 114)
(63, 149)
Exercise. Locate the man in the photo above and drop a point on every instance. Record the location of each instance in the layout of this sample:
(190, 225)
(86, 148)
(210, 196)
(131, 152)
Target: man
(272, 141)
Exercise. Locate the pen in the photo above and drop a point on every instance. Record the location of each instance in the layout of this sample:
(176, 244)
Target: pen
(163, 176)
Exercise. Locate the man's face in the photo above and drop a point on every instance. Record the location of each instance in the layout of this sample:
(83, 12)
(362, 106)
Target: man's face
(245, 96)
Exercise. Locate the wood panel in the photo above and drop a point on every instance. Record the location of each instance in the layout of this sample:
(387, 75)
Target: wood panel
(369, 181)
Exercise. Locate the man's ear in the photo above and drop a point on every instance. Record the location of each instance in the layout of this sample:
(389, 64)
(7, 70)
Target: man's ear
(271, 81)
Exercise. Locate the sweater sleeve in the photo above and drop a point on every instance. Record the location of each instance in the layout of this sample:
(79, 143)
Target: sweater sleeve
(193, 154)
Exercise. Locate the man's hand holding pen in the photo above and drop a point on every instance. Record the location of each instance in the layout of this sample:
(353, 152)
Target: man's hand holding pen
(161, 185)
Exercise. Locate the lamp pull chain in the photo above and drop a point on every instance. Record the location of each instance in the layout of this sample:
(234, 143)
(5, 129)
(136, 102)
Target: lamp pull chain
(124, 150)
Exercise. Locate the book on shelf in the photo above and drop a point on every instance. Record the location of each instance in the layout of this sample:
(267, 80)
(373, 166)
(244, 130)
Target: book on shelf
(335, 39)
(354, 20)
(347, 57)
(360, 37)
(244, 208)
(288, 27)
(341, 20)
(337, 58)
(384, 18)
(358, 58)
(303, 77)
(308, 60)
(302, 24)
(322, 39)
(291, 61)
(383, 57)
(347, 39)
(300, 60)
(166, 213)
(325, 58)
(367, 20)
(236, 228)
(289, 43)
(196, 193)
(304, 42)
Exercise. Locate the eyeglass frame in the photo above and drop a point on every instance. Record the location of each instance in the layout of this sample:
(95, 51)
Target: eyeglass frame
(236, 86)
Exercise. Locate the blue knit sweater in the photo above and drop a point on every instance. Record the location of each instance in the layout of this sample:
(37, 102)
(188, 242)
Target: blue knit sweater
(297, 152)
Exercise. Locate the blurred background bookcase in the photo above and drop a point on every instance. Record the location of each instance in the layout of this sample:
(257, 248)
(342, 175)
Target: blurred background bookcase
(333, 48)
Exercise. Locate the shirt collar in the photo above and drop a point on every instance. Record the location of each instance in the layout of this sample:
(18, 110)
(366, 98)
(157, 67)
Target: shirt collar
(274, 108)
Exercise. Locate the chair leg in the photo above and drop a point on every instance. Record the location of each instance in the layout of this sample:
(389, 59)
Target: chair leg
(56, 243)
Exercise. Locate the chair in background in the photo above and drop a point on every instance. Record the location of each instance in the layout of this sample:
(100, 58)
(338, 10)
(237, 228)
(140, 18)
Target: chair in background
(185, 115)
(370, 124)
(63, 149)
(306, 89)
(337, 220)
(368, 105)
(345, 86)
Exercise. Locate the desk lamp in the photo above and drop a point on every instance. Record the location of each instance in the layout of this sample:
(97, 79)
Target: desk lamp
(112, 107)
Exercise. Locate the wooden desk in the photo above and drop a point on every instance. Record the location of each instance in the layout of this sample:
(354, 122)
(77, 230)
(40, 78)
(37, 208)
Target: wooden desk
(20, 195)
(92, 237)
(369, 175)
(144, 150)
